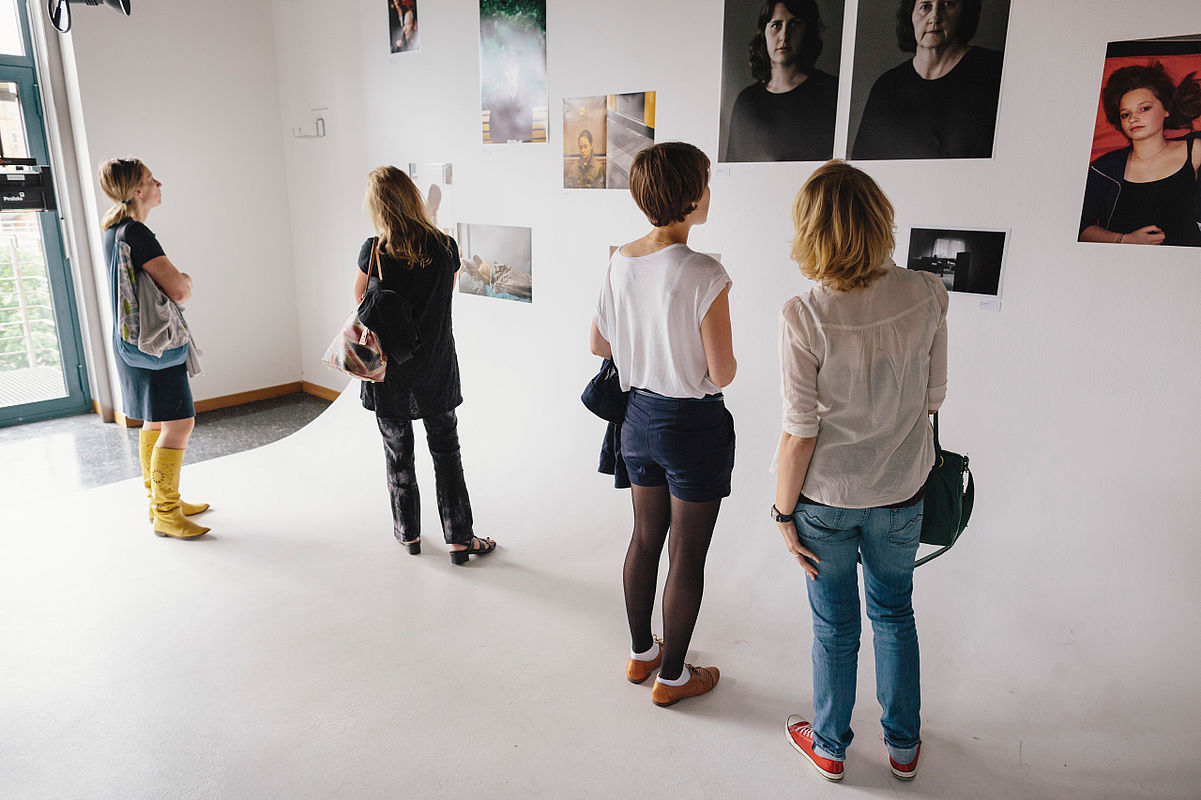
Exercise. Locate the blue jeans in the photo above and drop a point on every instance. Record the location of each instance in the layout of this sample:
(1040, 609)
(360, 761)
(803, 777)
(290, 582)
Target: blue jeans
(887, 539)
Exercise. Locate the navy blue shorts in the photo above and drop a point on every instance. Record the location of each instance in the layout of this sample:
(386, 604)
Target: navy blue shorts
(686, 444)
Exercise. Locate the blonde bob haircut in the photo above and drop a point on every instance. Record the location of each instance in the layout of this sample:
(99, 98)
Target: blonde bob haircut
(119, 179)
(400, 217)
(844, 227)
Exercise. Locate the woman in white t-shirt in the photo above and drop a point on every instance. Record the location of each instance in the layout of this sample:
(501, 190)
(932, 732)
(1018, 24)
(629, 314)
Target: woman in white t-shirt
(664, 318)
(863, 360)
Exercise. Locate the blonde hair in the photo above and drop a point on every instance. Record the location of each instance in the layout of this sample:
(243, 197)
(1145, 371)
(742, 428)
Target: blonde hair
(844, 227)
(400, 216)
(119, 179)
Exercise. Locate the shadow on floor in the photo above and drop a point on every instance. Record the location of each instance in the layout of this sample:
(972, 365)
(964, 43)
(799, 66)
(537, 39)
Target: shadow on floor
(80, 452)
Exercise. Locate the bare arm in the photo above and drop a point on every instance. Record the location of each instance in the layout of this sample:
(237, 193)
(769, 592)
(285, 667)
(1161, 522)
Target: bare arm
(360, 286)
(1151, 234)
(795, 454)
(597, 343)
(718, 340)
(175, 284)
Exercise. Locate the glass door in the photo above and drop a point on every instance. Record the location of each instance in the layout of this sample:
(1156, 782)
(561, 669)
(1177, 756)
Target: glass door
(42, 373)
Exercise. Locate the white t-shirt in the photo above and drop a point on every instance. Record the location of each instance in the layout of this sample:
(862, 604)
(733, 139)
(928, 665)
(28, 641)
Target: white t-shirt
(860, 370)
(650, 311)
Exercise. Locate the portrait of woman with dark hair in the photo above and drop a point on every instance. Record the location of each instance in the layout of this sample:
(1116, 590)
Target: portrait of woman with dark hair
(1147, 192)
(788, 113)
(942, 103)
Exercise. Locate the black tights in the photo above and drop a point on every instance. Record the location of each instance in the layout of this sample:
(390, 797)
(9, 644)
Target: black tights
(691, 525)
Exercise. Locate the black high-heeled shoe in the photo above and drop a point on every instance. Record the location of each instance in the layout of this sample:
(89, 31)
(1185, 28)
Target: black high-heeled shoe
(479, 547)
(414, 545)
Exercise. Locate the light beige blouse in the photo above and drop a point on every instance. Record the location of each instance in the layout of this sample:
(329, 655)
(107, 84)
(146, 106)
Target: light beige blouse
(860, 370)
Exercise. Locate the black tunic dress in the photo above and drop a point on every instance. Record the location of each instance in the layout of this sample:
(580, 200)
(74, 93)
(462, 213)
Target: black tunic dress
(428, 383)
(153, 395)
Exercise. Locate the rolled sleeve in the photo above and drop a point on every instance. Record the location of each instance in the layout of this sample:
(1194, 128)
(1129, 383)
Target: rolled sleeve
(798, 379)
(936, 391)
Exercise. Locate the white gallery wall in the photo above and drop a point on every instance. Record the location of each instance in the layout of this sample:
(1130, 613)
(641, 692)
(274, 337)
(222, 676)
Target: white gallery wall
(1074, 592)
(190, 88)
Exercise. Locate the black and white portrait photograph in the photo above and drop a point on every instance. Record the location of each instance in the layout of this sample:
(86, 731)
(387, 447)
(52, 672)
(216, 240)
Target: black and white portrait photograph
(779, 86)
(967, 261)
(496, 261)
(927, 79)
(402, 26)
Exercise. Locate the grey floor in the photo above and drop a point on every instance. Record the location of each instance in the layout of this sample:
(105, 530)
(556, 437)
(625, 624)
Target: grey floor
(81, 452)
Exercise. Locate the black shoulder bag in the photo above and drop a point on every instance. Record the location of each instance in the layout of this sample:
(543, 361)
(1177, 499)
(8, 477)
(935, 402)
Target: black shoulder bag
(950, 495)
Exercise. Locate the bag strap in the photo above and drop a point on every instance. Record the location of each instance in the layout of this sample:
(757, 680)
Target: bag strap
(374, 263)
(937, 446)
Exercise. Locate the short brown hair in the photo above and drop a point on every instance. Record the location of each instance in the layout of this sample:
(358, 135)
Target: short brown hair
(668, 180)
(844, 227)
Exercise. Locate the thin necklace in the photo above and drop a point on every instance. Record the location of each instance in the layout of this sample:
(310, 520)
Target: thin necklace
(660, 241)
(1153, 155)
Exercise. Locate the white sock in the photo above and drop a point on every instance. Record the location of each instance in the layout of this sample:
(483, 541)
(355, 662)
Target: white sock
(685, 676)
(649, 655)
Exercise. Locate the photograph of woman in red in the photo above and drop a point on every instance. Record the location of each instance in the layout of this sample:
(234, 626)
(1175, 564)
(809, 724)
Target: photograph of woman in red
(1142, 185)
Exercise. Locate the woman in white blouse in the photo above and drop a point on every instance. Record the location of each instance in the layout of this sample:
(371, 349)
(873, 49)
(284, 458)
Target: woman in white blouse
(863, 361)
(663, 316)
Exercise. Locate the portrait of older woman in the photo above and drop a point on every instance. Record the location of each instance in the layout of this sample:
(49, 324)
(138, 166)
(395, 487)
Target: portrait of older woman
(787, 114)
(942, 102)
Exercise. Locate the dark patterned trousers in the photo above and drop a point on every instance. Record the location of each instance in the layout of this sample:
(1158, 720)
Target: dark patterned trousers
(454, 506)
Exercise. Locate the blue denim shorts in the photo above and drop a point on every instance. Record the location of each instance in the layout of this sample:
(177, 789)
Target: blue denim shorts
(684, 443)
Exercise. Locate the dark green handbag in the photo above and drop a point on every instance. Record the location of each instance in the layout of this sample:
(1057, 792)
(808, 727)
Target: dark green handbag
(950, 494)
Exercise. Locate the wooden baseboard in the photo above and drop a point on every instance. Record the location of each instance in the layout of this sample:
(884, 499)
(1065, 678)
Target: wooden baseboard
(242, 398)
(124, 421)
(238, 399)
(319, 391)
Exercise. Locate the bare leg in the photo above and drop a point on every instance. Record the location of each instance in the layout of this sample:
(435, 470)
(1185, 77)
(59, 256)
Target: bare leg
(175, 432)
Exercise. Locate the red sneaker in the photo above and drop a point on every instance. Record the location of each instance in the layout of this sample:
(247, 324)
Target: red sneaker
(800, 733)
(905, 772)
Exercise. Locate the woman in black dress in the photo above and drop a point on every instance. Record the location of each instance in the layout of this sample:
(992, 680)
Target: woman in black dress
(788, 113)
(1149, 192)
(942, 103)
(419, 263)
(160, 397)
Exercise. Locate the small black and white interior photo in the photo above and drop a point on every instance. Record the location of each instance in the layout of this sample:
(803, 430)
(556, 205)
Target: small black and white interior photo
(968, 261)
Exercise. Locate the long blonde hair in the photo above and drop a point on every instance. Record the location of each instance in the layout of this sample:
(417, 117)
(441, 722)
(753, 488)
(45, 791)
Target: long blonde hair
(844, 227)
(119, 179)
(400, 216)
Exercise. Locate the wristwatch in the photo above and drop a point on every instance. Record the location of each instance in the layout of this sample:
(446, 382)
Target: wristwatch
(777, 516)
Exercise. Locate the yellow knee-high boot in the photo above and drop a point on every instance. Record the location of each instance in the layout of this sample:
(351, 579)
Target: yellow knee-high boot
(169, 519)
(146, 440)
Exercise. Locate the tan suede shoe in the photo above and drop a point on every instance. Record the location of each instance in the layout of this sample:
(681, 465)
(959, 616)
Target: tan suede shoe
(638, 671)
(701, 680)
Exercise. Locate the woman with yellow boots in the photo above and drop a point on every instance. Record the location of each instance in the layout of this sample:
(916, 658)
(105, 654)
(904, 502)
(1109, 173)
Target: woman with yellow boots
(153, 375)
